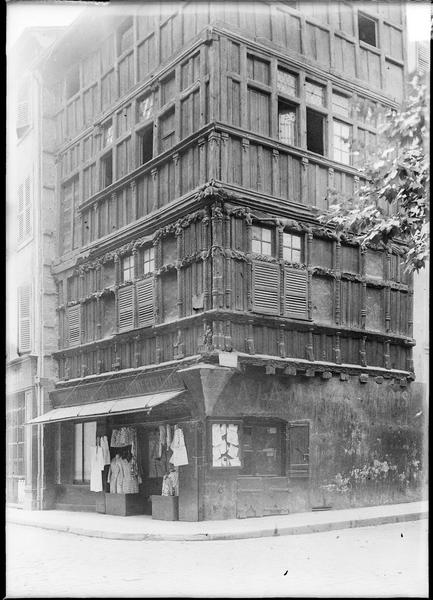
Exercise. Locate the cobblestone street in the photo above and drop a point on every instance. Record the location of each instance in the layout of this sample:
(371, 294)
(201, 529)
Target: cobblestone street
(382, 561)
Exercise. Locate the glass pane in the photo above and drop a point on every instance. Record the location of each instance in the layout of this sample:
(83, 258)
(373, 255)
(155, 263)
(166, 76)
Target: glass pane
(267, 248)
(257, 233)
(266, 235)
(287, 124)
(296, 256)
(89, 440)
(266, 446)
(78, 452)
(256, 247)
(287, 253)
(145, 108)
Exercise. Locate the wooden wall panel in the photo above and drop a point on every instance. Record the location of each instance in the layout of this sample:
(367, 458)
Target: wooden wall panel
(375, 318)
(322, 300)
(344, 56)
(290, 177)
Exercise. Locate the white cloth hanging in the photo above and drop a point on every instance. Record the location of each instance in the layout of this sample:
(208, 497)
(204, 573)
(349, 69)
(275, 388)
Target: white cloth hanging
(180, 456)
(96, 468)
(105, 449)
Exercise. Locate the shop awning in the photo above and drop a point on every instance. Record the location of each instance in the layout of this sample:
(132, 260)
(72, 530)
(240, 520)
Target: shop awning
(107, 407)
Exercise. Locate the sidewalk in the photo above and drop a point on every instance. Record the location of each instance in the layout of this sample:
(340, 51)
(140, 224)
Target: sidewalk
(143, 527)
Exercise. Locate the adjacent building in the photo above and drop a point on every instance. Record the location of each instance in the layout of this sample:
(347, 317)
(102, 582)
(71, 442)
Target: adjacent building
(201, 307)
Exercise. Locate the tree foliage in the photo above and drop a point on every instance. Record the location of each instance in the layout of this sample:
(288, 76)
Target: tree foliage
(392, 203)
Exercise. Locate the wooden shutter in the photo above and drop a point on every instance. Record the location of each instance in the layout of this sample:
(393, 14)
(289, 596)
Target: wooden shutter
(74, 325)
(20, 212)
(298, 449)
(125, 308)
(266, 287)
(27, 208)
(23, 116)
(295, 293)
(145, 302)
(24, 319)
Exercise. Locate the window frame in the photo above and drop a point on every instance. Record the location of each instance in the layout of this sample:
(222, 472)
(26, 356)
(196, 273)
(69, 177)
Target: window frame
(373, 20)
(301, 248)
(224, 420)
(272, 242)
(295, 110)
(130, 268)
(83, 455)
(260, 423)
(151, 261)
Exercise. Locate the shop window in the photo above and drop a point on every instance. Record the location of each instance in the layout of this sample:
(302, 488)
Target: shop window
(287, 82)
(73, 82)
(225, 445)
(341, 104)
(107, 170)
(287, 125)
(315, 93)
(145, 108)
(262, 449)
(292, 247)
(262, 241)
(315, 132)
(367, 30)
(148, 260)
(342, 142)
(128, 268)
(145, 138)
(84, 439)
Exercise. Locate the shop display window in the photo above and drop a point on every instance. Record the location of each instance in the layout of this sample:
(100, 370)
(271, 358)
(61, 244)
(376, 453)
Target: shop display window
(262, 449)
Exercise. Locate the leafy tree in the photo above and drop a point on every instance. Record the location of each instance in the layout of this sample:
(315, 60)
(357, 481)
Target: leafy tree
(392, 203)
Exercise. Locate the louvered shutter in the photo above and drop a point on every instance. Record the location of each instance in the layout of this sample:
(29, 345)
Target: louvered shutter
(24, 319)
(145, 302)
(125, 308)
(20, 212)
(298, 449)
(295, 293)
(266, 287)
(23, 116)
(74, 325)
(27, 208)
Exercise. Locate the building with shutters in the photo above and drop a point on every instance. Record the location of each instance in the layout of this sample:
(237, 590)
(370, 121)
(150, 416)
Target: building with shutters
(30, 236)
(198, 295)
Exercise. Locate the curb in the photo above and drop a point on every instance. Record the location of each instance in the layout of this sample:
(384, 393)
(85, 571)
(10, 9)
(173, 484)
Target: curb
(198, 537)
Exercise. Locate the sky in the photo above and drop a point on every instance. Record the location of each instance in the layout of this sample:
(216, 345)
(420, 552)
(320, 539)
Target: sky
(22, 14)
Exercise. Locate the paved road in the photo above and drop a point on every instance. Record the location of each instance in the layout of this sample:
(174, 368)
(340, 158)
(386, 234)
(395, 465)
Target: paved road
(381, 561)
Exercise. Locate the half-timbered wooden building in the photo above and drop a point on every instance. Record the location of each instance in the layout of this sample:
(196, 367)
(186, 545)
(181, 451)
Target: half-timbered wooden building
(196, 147)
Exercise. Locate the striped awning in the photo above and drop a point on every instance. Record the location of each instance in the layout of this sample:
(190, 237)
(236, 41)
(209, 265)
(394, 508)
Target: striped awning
(107, 407)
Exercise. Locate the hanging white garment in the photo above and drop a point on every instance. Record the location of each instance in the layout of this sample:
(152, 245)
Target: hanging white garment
(180, 456)
(96, 468)
(105, 449)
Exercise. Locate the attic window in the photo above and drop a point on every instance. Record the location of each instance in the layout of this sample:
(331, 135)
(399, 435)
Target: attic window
(367, 30)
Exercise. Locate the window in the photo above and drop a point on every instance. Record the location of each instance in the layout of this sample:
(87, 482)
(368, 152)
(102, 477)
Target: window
(74, 325)
(145, 138)
(73, 82)
(262, 241)
(128, 268)
(107, 170)
(166, 130)
(225, 445)
(145, 108)
(24, 211)
(367, 30)
(258, 69)
(292, 247)
(148, 260)
(342, 142)
(84, 439)
(341, 104)
(287, 127)
(287, 82)
(15, 419)
(126, 36)
(24, 319)
(262, 449)
(107, 134)
(167, 89)
(315, 93)
(315, 132)
(23, 109)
